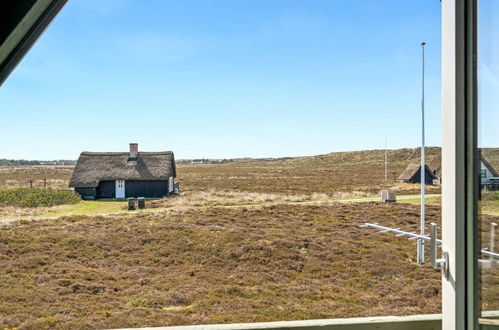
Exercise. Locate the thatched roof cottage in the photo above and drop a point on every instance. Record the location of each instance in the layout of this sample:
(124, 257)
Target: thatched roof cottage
(412, 174)
(124, 174)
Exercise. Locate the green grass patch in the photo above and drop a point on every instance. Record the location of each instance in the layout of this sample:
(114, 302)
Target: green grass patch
(490, 207)
(26, 197)
(86, 208)
(433, 200)
(489, 203)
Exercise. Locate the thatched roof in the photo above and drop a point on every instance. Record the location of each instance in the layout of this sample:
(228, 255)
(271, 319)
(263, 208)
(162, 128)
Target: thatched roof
(93, 167)
(488, 165)
(412, 169)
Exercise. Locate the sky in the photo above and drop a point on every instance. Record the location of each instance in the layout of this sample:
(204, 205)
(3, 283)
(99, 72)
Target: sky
(226, 78)
(488, 73)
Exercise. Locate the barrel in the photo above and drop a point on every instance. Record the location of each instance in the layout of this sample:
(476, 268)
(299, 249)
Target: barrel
(131, 204)
(141, 202)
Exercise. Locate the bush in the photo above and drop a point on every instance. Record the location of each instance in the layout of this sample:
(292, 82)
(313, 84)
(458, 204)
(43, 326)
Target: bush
(26, 197)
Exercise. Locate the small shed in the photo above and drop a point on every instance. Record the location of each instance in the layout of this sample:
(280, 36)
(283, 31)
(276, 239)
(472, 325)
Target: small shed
(412, 174)
(124, 174)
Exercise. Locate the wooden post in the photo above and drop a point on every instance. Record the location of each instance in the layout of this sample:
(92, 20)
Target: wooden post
(394, 176)
(30, 181)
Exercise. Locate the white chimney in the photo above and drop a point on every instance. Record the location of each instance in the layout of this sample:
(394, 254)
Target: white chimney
(134, 150)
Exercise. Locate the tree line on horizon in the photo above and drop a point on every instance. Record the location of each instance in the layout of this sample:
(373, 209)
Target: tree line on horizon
(23, 162)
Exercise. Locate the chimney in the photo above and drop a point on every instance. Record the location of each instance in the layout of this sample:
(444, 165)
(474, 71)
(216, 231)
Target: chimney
(134, 150)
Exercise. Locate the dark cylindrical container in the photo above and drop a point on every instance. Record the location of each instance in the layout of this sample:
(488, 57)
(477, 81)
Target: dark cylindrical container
(131, 204)
(141, 202)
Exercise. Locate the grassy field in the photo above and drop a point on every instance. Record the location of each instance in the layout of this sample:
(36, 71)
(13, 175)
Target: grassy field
(247, 241)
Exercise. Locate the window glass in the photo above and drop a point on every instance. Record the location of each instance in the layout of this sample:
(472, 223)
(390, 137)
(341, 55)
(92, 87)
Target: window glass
(488, 143)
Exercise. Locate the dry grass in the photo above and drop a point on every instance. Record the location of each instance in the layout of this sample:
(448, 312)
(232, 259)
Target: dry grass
(359, 172)
(341, 174)
(489, 275)
(184, 201)
(212, 265)
(13, 212)
(231, 198)
(17, 176)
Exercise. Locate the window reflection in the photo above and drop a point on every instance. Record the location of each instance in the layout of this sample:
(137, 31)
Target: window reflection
(488, 142)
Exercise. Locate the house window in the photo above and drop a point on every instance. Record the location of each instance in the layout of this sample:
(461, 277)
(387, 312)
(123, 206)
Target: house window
(483, 173)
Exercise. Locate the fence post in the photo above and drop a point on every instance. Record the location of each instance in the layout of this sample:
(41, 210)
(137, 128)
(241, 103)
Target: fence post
(493, 227)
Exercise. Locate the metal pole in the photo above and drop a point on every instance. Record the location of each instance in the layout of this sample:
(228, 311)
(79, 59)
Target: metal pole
(386, 163)
(423, 165)
(433, 245)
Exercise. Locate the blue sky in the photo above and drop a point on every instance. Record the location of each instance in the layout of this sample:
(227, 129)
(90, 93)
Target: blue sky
(488, 73)
(221, 79)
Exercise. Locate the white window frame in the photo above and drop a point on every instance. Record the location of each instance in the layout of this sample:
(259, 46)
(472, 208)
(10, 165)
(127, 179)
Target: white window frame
(460, 164)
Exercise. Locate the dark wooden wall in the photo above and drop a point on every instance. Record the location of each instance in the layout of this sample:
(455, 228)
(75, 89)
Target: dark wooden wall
(87, 192)
(148, 189)
(106, 189)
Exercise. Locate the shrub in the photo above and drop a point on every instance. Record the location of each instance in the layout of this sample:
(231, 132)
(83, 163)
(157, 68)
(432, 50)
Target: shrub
(26, 197)
(490, 195)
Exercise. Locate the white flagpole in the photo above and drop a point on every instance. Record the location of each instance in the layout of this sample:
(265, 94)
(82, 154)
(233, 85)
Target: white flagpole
(423, 166)
(386, 163)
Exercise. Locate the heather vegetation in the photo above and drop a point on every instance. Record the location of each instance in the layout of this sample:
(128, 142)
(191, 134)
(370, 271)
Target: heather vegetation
(246, 241)
(213, 265)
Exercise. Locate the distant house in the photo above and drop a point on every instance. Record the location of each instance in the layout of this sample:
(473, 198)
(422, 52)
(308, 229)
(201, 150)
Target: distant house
(489, 179)
(412, 174)
(487, 172)
(197, 161)
(124, 174)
